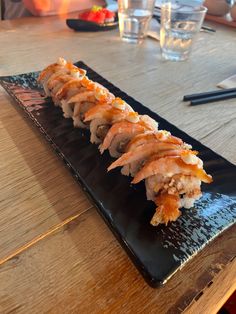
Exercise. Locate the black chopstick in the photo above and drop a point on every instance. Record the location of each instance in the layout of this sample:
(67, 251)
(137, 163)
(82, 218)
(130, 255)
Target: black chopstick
(205, 100)
(209, 94)
(208, 29)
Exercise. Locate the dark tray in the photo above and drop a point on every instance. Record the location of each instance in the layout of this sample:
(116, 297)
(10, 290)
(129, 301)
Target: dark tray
(157, 252)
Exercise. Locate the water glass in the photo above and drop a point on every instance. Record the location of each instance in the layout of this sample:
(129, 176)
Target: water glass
(134, 19)
(179, 26)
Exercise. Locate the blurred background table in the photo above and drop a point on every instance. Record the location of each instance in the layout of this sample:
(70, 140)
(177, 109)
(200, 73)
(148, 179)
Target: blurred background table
(56, 253)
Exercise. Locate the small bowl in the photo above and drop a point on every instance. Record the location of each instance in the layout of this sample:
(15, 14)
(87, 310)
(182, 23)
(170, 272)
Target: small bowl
(88, 26)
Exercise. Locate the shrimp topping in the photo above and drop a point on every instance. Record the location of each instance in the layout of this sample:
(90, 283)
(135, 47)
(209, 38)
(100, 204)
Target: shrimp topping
(169, 166)
(167, 209)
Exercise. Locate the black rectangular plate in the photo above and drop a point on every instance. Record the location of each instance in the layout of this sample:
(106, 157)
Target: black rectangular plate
(157, 252)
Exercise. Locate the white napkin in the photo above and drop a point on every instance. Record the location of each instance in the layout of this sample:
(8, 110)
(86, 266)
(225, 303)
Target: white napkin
(154, 35)
(230, 82)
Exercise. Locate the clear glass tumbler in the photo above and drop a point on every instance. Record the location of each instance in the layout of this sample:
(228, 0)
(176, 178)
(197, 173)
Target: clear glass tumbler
(134, 19)
(179, 26)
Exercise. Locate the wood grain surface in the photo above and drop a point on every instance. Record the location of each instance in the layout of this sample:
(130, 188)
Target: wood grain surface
(56, 253)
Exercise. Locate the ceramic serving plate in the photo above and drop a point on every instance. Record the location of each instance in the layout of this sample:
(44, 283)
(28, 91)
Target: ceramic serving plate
(157, 252)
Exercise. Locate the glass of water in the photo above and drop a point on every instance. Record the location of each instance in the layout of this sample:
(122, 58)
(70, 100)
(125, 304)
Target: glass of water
(179, 26)
(134, 19)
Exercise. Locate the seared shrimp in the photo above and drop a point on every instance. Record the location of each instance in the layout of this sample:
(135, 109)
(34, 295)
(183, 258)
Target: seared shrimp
(107, 111)
(167, 208)
(70, 89)
(171, 165)
(151, 136)
(143, 152)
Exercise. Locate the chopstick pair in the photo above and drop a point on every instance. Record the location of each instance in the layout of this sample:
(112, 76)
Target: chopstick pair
(217, 95)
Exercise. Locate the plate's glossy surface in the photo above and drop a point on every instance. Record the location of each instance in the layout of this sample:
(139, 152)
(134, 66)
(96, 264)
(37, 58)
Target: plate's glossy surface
(87, 26)
(158, 252)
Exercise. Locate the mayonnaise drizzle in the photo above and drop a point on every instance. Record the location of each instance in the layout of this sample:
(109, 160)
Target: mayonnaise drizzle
(100, 94)
(165, 133)
(61, 61)
(118, 103)
(133, 117)
(76, 75)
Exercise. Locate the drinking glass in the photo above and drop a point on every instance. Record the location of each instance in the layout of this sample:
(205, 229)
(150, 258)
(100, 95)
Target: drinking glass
(179, 26)
(134, 19)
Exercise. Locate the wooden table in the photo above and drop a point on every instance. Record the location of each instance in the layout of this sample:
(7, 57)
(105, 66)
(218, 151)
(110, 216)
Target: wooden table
(56, 253)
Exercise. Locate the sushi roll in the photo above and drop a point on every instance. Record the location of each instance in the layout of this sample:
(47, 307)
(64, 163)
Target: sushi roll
(60, 67)
(83, 102)
(120, 133)
(55, 83)
(70, 89)
(67, 94)
(172, 182)
(101, 118)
